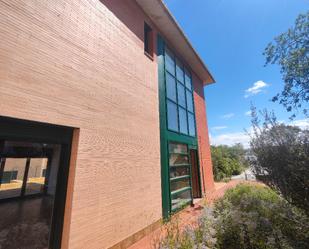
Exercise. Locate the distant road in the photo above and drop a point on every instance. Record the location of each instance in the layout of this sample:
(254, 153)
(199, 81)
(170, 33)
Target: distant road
(246, 175)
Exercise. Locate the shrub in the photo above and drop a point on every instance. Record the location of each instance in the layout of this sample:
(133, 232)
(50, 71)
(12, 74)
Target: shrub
(281, 158)
(200, 236)
(228, 161)
(246, 217)
(256, 217)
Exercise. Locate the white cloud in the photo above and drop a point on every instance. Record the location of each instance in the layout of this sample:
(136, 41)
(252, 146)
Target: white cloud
(248, 113)
(231, 139)
(301, 123)
(243, 138)
(228, 115)
(217, 128)
(256, 88)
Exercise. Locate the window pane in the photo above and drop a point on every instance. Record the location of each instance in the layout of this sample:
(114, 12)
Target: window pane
(169, 62)
(180, 199)
(181, 95)
(148, 48)
(12, 178)
(188, 80)
(191, 124)
(172, 117)
(176, 159)
(183, 125)
(36, 180)
(179, 171)
(189, 101)
(176, 185)
(178, 148)
(179, 72)
(170, 87)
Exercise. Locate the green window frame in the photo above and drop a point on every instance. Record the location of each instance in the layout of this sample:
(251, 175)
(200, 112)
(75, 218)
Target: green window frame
(179, 176)
(179, 96)
(167, 71)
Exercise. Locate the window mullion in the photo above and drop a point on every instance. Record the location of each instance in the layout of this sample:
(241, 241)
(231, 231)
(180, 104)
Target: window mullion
(192, 92)
(187, 109)
(177, 93)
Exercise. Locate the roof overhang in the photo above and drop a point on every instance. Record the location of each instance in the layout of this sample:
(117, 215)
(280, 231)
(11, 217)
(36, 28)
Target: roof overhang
(169, 28)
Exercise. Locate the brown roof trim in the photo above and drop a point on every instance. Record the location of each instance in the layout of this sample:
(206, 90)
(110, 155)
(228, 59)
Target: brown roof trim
(170, 29)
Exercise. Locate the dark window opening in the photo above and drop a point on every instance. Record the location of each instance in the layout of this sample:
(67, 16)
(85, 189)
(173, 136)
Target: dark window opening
(148, 40)
(34, 163)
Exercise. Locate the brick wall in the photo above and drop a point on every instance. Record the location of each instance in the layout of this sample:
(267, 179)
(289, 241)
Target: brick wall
(203, 136)
(81, 64)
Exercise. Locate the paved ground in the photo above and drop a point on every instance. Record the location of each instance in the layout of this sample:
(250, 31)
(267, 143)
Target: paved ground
(189, 215)
(246, 175)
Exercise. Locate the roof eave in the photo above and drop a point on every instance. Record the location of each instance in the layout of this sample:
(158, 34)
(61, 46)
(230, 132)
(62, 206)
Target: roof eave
(170, 29)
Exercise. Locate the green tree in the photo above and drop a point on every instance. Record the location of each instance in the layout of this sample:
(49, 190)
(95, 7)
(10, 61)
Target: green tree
(281, 158)
(290, 51)
(228, 160)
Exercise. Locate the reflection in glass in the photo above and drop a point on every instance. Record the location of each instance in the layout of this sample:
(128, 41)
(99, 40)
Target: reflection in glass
(25, 171)
(176, 159)
(178, 200)
(188, 80)
(12, 178)
(179, 72)
(179, 184)
(178, 148)
(170, 87)
(191, 124)
(180, 175)
(183, 125)
(189, 101)
(172, 117)
(35, 179)
(169, 62)
(179, 171)
(181, 95)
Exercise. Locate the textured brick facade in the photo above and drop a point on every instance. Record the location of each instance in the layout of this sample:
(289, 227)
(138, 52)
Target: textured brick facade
(203, 136)
(82, 64)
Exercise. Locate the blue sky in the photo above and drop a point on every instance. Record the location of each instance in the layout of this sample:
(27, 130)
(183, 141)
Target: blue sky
(230, 36)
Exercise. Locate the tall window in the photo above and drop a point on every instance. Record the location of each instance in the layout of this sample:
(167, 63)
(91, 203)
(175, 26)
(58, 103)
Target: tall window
(148, 40)
(179, 96)
(180, 175)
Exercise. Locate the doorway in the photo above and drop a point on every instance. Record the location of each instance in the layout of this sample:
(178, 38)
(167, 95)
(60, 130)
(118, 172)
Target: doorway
(34, 164)
(195, 177)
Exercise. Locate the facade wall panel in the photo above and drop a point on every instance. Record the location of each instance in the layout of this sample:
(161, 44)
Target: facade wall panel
(203, 136)
(82, 64)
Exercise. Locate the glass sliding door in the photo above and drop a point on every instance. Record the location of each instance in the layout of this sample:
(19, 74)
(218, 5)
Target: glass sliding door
(11, 177)
(34, 166)
(35, 179)
(180, 175)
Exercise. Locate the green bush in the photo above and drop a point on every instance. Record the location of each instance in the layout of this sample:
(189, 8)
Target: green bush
(228, 161)
(246, 217)
(256, 217)
(191, 237)
(281, 157)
